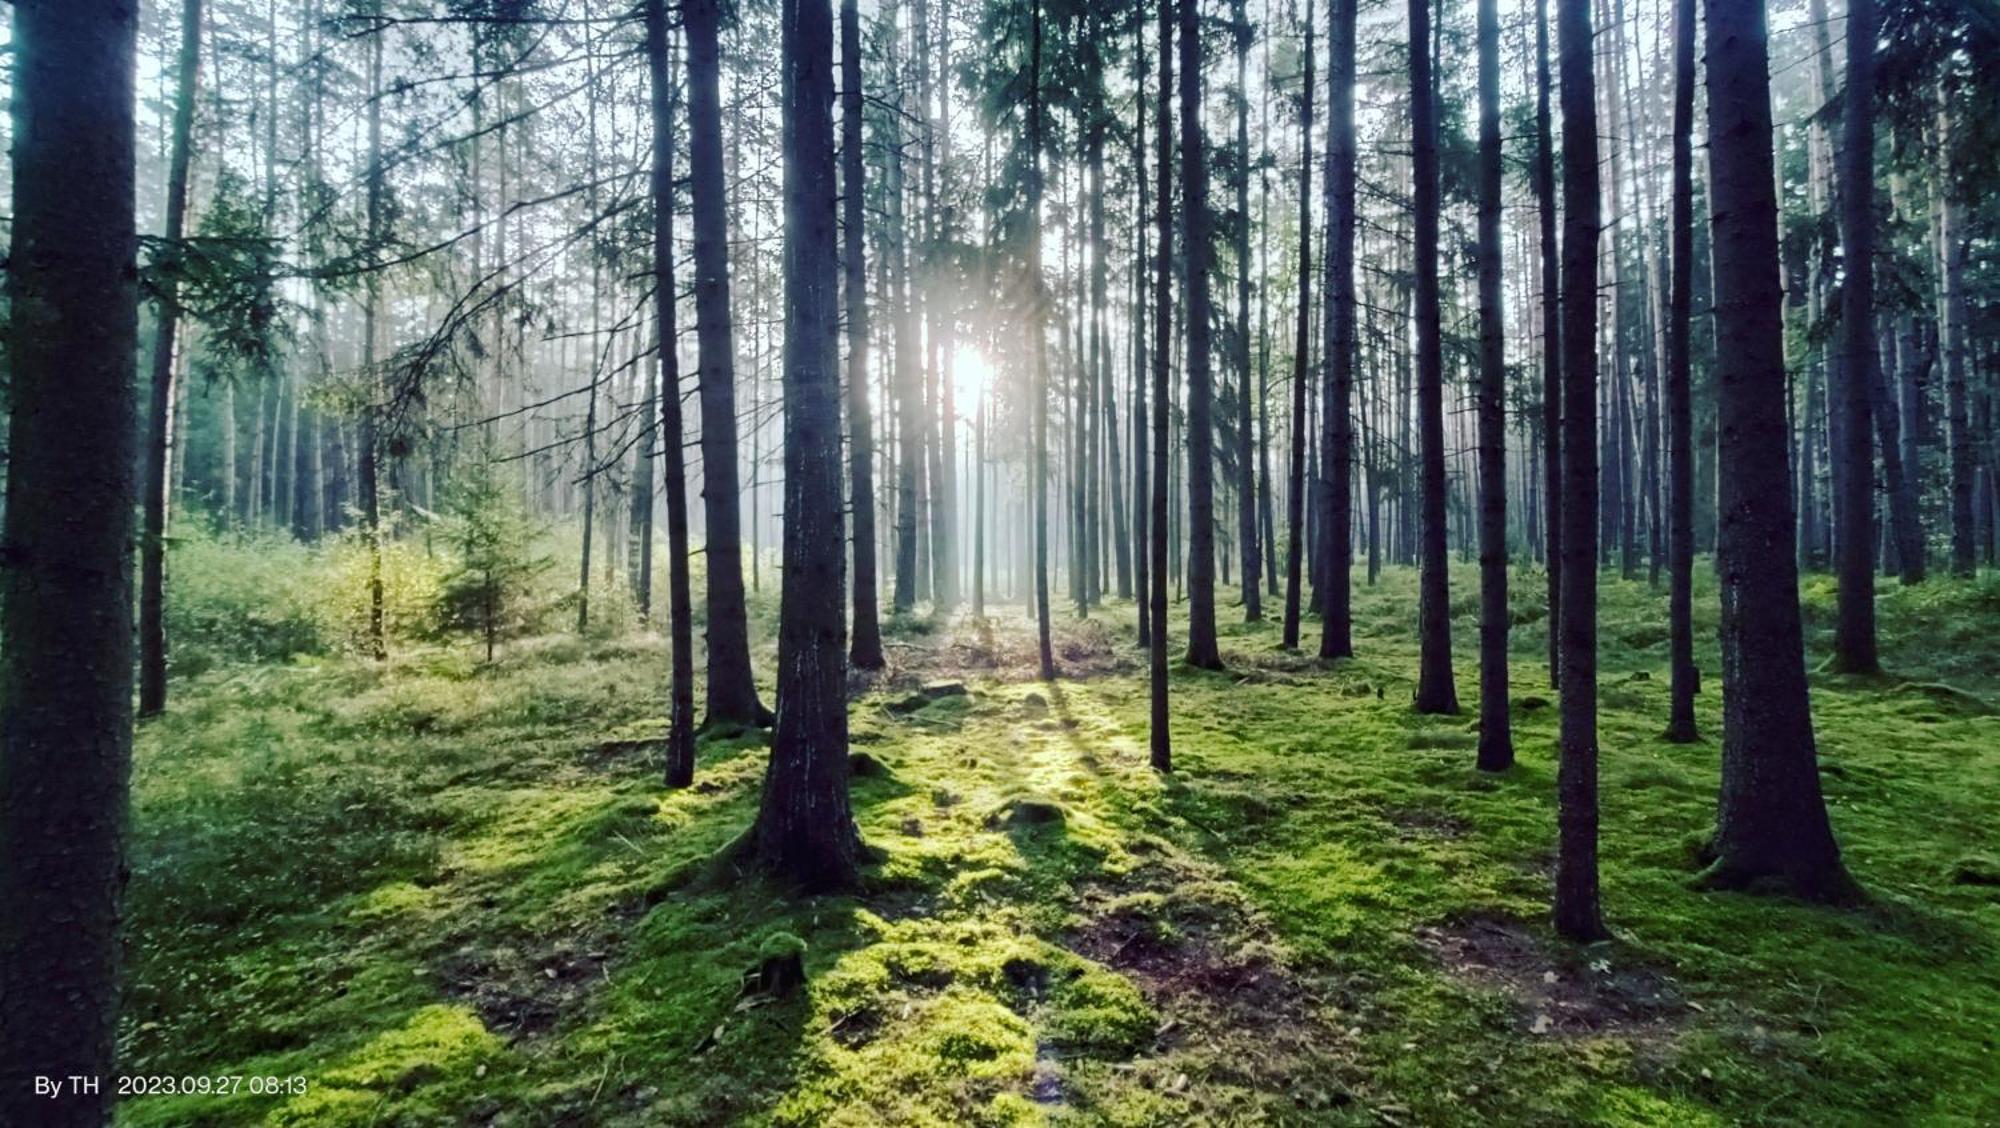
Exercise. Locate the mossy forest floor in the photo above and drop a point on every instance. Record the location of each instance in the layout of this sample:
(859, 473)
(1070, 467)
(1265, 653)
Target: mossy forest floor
(449, 893)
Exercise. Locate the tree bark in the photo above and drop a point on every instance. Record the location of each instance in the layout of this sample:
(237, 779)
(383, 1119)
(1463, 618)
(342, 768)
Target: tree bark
(805, 829)
(1337, 522)
(732, 689)
(1771, 826)
(680, 600)
(1496, 738)
(1552, 348)
(1246, 435)
(1684, 680)
(866, 649)
(1295, 495)
(1161, 738)
(1578, 916)
(1203, 651)
(1436, 692)
(1854, 650)
(66, 587)
(160, 404)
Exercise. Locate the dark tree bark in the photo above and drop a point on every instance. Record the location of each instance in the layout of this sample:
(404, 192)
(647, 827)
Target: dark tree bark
(366, 453)
(1246, 433)
(866, 649)
(1496, 736)
(1771, 826)
(732, 689)
(680, 599)
(1577, 913)
(1203, 651)
(1860, 363)
(1336, 638)
(1680, 395)
(1952, 347)
(1037, 326)
(1163, 343)
(1898, 476)
(805, 830)
(907, 386)
(1295, 495)
(160, 404)
(1552, 350)
(1142, 500)
(1436, 691)
(66, 588)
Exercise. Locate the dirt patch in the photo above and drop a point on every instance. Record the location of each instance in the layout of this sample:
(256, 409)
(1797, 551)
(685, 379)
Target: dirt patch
(521, 994)
(1220, 980)
(1553, 995)
(1426, 822)
(1001, 647)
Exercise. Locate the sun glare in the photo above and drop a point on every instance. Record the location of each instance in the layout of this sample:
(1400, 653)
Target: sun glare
(972, 377)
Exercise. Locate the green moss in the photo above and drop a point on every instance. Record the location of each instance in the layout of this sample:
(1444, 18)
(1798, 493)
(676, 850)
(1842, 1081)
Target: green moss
(429, 890)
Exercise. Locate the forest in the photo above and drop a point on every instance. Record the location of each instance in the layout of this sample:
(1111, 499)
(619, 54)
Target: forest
(636, 562)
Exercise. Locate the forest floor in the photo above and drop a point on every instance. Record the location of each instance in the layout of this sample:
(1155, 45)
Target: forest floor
(448, 893)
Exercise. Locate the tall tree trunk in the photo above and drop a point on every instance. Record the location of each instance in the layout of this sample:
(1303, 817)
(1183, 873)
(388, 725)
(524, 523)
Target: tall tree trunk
(732, 690)
(1246, 435)
(680, 600)
(1552, 347)
(160, 403)
(1203, 651)
(1771, 825)
(907, 381)
(1295, 495)
(1952, 347)
(1577, 913)
(1680, 395)
(805, 830)
(1496, 738)
(1037, 325)
(596, 370)
(1860, 363)
(866, 648)
(66, 589)
(1436, 692)
(366, 452)
(1142, 497)
(1898, 476)
(1337, 614)
(1161, 739)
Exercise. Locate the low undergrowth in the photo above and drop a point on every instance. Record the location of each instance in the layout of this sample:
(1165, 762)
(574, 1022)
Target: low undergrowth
(444, 892)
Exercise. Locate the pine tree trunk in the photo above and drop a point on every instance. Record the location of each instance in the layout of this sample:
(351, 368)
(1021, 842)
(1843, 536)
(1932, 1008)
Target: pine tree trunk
(160, 403)
(866, 649)
(1037, 300)
(1578, 916)
(1771, 825)
(1161, 740)
(1337, 522)
(732, 690)
(365, 441)
(1952, 313)
(1496, 738)
(1436, 692)
(805, 831)
(1552, 348)
(680, 599)
(1203, 651)
(1295, 494)
(1246, 435)
(1142, 495)
(66, 588)
(1860, 363)
(1680, 395)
